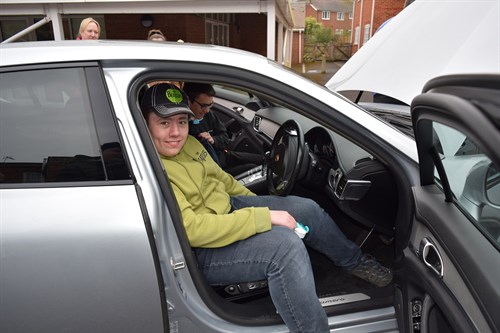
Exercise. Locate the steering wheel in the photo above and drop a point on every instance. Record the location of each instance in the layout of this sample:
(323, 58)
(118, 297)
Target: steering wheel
(285, 158)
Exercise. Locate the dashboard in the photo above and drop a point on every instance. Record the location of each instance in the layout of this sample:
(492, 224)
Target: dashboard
(321, 144)
(337, 169)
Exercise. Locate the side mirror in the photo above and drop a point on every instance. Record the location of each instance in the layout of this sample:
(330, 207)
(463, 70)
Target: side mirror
(492, 185)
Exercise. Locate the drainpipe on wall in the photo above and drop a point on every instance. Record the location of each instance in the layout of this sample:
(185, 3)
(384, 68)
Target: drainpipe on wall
(352, 22)
(271, 30)
(288, 48)
(281, 43)
(371, 19)
(300, 46)
(360, 23)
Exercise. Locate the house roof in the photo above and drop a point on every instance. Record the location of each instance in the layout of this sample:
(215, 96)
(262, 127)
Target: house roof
(53, 10)
(71, 7)
(299, 14)
(344, 6)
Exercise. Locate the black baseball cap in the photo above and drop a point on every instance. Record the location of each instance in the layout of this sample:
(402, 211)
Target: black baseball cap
(166, 100)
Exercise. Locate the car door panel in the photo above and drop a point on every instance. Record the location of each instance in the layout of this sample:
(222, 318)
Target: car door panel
(455, 138)
(76, 245)
(462, 283)
(91, 248)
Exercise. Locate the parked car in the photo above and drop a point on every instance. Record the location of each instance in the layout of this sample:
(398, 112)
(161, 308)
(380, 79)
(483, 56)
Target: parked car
(92, 239)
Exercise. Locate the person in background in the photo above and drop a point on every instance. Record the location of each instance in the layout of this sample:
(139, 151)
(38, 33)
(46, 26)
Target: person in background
(89, 29)
(239, 236)
(156, 35)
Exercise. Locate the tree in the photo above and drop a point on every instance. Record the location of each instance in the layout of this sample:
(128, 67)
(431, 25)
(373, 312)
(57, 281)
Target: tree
(316, 33)
(317, 39)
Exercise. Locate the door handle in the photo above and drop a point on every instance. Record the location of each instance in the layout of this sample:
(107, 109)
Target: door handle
(431, 257)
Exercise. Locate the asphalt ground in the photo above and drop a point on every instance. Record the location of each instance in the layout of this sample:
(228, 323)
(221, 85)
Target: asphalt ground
(318, 72)
(321, 73)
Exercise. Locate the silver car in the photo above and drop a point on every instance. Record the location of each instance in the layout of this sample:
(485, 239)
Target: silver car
(91, 238)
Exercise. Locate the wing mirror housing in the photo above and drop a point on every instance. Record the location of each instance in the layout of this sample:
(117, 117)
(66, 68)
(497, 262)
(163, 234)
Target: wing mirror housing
(492, 185)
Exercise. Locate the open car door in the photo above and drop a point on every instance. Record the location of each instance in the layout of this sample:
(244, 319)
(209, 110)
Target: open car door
(450, 279)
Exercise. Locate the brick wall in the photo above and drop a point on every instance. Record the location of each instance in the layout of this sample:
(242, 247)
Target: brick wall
(174, 26)
(253, 32)
(295, 48)
(332, 23)
(384, 9)
(249, 32)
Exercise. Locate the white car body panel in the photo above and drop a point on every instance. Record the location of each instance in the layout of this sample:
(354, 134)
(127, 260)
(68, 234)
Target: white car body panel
(122, 50)
(89, 225)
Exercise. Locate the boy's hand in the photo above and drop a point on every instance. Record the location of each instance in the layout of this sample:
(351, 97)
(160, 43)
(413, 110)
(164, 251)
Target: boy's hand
(283, 218)
(206, 136)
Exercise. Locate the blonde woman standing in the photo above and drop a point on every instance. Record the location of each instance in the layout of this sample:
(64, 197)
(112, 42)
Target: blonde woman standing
(89, 29)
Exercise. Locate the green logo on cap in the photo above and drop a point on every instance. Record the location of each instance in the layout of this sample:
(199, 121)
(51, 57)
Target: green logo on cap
(174, 95)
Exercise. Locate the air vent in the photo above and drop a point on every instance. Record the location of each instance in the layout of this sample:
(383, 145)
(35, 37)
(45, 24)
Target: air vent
(256, 123)
(341, 186)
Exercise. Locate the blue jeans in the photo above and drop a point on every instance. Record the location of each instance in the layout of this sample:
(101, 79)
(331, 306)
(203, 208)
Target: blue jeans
(280, 256)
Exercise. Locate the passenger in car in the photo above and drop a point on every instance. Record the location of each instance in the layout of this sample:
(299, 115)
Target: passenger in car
(89, 29)
(238, 236)
(210, 131)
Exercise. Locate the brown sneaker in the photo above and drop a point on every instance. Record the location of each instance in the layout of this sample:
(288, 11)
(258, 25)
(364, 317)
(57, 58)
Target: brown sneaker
(372, 271)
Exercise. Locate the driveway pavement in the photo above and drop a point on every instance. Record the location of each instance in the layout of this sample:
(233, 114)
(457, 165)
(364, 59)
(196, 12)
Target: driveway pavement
(320, 74)
(317, 72)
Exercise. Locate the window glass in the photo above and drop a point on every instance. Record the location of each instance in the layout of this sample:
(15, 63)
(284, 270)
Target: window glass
(366, 34)
(357, 32)
(473, 178)
(45, 32)
(216, 33)
(48, 130)
(10, 27)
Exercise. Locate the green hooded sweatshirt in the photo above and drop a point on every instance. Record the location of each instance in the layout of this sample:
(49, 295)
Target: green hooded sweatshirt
(203, 190)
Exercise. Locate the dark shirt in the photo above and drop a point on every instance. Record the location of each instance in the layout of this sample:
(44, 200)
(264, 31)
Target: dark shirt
(233, 162)
(211, 124)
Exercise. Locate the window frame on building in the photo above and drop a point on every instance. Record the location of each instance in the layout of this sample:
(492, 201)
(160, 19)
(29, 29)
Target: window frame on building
(366, 33)
(357, 35)
(217, 28)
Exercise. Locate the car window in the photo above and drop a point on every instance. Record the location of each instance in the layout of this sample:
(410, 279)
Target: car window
(473, 178)
(48, 130)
